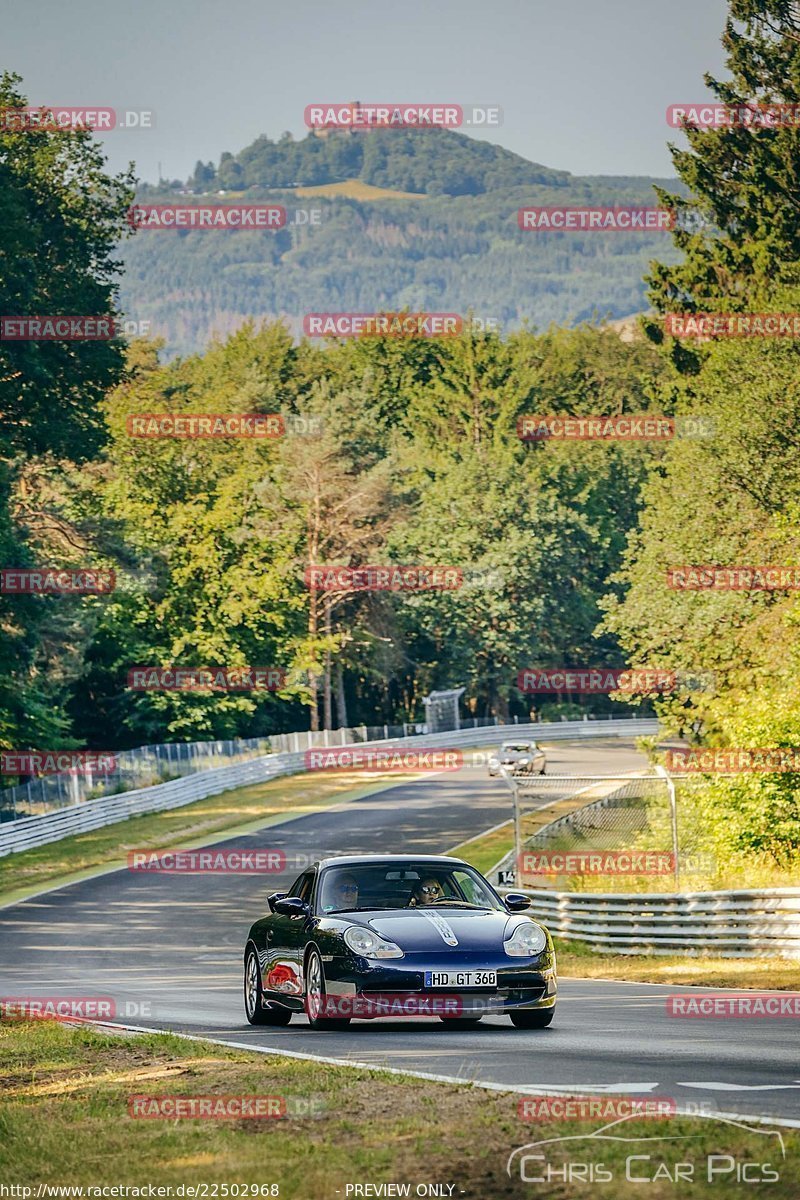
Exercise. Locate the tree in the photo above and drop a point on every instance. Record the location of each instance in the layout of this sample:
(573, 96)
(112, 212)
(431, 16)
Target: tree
(742, 178)
(63, 217)
(337, 490)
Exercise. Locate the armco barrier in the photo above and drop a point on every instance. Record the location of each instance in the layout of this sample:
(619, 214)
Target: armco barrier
(735, 924)
(27, 832)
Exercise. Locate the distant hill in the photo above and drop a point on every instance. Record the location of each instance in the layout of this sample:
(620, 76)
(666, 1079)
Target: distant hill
(432, 161)
(453, 245)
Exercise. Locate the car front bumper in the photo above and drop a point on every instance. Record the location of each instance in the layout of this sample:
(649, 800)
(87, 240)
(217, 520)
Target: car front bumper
(398, 988)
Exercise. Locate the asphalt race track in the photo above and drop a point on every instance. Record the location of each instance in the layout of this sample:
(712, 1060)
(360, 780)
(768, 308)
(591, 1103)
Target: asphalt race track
(168, 949)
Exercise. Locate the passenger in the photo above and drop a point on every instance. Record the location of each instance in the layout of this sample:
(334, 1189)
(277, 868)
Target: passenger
(428, 892)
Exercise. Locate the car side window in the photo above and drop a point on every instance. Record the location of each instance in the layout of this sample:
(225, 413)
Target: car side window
(472, 889)
(297, 886)
(306, 884)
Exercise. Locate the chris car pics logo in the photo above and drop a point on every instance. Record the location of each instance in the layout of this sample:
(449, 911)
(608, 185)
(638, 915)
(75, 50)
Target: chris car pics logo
(619, 1152)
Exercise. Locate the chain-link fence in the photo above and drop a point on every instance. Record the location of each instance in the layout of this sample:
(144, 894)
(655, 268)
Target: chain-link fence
(606, 834)
(142, 767)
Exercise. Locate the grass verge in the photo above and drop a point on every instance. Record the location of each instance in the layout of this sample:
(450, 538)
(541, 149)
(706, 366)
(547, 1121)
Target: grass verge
(576, 958)
(486, 850)
(239, 811)
(65, 1121)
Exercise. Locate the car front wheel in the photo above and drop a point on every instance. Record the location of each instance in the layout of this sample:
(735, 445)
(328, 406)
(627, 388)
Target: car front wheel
(532, 1018)
(316, 996)
(254, 997)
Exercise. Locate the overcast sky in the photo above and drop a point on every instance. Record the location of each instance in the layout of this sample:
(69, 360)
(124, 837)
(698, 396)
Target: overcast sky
(583, 84)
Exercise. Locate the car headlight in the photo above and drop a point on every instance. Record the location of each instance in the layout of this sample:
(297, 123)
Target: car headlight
(366, 943)
(526, 940)
(523, 761)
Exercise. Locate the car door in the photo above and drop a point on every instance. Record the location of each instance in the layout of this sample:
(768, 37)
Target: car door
(286, 941)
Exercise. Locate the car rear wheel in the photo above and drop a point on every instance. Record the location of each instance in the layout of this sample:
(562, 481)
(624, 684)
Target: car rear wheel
(254, 997)
(316, 996)
(533, 1018)
(461, 1022)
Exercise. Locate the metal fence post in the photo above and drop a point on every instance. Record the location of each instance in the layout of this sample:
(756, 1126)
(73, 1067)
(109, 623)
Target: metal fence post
(512, 785)
(673, 804)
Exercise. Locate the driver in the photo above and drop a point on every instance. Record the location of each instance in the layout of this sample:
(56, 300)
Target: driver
(343, 894)
(428, 892)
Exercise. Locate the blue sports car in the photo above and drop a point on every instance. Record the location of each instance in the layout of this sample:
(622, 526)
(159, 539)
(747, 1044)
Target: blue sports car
(397, 935)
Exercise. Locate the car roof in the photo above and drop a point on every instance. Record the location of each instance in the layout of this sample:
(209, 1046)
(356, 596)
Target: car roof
(355, 860)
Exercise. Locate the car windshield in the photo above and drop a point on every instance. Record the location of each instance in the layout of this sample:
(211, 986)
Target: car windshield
(518, 748)
(405, 885)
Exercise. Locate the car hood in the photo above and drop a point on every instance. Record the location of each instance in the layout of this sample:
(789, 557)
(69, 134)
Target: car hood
(423, 930)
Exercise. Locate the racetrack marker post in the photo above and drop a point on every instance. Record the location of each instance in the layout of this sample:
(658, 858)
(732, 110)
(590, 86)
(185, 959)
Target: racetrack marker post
(514, 786)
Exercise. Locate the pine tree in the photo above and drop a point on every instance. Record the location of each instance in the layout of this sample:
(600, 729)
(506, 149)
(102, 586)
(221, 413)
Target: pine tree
(744, 179)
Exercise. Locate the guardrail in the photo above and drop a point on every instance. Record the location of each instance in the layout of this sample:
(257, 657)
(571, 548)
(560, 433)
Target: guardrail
(26, 832)
(734, 924)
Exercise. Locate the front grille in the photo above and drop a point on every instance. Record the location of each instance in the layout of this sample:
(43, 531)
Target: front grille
(520, 979)
(398, 981)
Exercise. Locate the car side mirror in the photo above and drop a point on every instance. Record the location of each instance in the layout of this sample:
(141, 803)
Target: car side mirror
(516, 901)
(291, 906)
(273, 899)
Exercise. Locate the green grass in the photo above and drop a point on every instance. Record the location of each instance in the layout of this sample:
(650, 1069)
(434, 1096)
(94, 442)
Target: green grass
(240, 810)
(576, 958)
(64, 1120)
(486, 850)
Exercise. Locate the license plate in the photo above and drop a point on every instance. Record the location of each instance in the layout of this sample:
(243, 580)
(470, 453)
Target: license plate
(460, 979)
